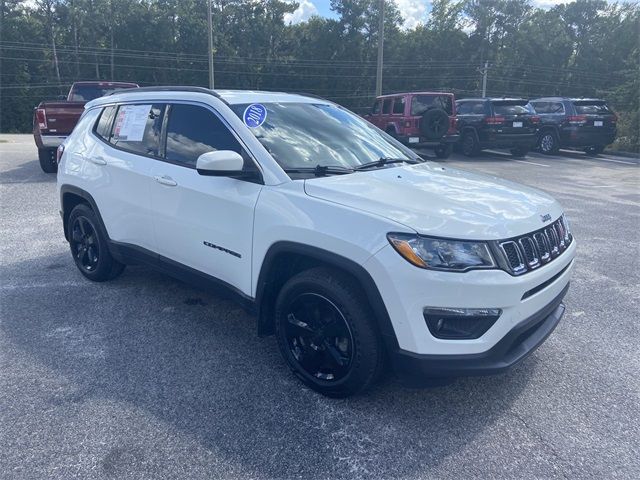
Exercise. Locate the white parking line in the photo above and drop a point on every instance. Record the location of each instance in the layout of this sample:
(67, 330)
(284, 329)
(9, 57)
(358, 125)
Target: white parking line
(612, 160)
(532, 163)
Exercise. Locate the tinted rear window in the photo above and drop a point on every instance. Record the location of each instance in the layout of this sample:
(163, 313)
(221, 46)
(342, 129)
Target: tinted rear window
(512, 108)
(422, 103)
(596, 108)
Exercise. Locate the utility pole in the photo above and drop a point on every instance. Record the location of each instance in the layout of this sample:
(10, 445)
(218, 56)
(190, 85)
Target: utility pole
(210, 24)
(380, 50)
(484, 78)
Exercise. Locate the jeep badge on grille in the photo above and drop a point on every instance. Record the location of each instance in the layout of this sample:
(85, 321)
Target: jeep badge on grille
(546, 217)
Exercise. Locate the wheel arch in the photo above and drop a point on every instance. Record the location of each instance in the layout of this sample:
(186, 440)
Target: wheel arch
(285, 259)
(70, 197)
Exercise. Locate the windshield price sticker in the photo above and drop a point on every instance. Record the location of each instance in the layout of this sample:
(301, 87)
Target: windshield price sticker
(254, 115)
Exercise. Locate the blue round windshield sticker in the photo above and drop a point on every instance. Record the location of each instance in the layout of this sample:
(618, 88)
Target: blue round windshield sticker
(254, 115)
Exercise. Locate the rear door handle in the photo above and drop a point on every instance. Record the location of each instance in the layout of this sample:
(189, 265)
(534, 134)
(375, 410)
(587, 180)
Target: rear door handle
(98, 160)
(166, 180)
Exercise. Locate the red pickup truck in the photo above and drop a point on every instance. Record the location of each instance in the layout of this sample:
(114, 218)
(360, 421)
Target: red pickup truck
(54, 120)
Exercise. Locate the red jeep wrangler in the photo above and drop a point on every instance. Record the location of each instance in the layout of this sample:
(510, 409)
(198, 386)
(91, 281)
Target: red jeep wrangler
(419, 119)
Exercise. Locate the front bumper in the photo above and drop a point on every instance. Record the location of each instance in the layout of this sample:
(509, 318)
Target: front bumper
(517, 344)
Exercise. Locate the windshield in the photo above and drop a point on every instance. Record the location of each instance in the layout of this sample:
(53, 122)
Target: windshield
(422, 103)
(305, 135)
(594, 108)
(512, 108)
(85, 93)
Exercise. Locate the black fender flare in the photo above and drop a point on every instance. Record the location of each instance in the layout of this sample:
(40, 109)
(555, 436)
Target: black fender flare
(326, 257)
(86, 196)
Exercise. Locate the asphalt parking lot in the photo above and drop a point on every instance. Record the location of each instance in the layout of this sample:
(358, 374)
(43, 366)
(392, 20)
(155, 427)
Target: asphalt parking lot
(145, 377)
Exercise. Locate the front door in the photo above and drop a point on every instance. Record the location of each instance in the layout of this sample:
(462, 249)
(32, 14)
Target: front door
(203, 222)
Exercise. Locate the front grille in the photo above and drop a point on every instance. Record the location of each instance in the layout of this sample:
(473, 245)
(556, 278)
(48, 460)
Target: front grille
(528, 252)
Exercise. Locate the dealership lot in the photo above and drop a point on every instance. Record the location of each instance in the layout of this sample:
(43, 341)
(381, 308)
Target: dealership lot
(145, 377)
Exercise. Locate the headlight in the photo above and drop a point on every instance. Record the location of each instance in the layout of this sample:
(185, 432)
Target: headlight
(442, 254)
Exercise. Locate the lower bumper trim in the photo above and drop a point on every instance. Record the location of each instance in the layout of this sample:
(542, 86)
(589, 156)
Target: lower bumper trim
(521, 341)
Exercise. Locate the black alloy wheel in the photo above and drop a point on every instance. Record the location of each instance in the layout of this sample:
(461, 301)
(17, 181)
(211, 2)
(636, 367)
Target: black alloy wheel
(327, 333)
(88, 243)
(319, 338)
(548, 143)
(84, 244)
(470, 145)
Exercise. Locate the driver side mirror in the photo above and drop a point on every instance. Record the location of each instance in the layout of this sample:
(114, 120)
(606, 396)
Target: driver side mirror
(222, 163)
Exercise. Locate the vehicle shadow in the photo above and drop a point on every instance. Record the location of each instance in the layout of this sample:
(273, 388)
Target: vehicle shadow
(192, 362)
(28, 171)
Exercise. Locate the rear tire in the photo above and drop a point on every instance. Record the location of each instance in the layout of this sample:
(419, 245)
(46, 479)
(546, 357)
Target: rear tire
(470, 145)
(89, 246)
(519, 152)
(548, 143)
(596, 150)
(326, 334)
(443, 151)
(47, 159)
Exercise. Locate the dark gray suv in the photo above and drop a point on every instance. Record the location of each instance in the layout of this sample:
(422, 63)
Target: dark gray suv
(584, 123)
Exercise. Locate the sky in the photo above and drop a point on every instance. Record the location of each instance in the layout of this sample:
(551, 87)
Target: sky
(413, 11)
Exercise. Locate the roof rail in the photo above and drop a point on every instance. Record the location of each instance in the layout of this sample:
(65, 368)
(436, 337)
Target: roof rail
(167, 89)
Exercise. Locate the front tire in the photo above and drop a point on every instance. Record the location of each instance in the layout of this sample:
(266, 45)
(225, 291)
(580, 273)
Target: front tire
(326, 334)
(470, 145)
(89, 248)
(47, 159)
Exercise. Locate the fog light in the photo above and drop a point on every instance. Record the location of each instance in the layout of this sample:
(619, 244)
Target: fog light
(460, 323)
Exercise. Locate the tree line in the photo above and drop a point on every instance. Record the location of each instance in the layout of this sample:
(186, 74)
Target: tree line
(584, 48)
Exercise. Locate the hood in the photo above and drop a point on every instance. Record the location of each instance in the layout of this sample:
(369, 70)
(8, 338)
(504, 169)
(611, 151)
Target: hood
(441, 201)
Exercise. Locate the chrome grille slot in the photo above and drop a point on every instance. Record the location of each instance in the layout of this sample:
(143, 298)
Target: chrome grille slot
(543, 246)
(527, 252)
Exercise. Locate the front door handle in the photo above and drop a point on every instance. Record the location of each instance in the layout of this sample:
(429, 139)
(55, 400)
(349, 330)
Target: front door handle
(166, 180)
(98, 160)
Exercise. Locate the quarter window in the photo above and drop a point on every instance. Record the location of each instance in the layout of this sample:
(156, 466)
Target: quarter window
(192, 131)
(137, 129)
(103, 127)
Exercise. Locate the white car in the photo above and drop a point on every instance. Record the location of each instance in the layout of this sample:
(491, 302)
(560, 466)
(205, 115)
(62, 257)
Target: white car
(349, 247)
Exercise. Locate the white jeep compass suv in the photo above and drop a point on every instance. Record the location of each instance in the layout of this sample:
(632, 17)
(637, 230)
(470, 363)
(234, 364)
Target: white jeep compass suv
(346, 245)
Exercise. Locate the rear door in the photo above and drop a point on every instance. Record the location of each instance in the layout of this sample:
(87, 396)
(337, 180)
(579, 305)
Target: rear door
(203, 222)
(516, 114)
(121, 163)
(376, 110)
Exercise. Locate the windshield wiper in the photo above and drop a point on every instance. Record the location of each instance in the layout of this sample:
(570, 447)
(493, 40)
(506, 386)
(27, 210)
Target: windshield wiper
(381, 162)
(320, 170)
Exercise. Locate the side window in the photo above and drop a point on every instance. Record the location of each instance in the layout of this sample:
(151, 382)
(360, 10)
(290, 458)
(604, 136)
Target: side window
(103, 126)
(137, 128)
(386, 106)
(477, 108)
(194, 130)
(540, 107)
(556, 107)
(464, 108)
(398, 106)
(376, 107)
